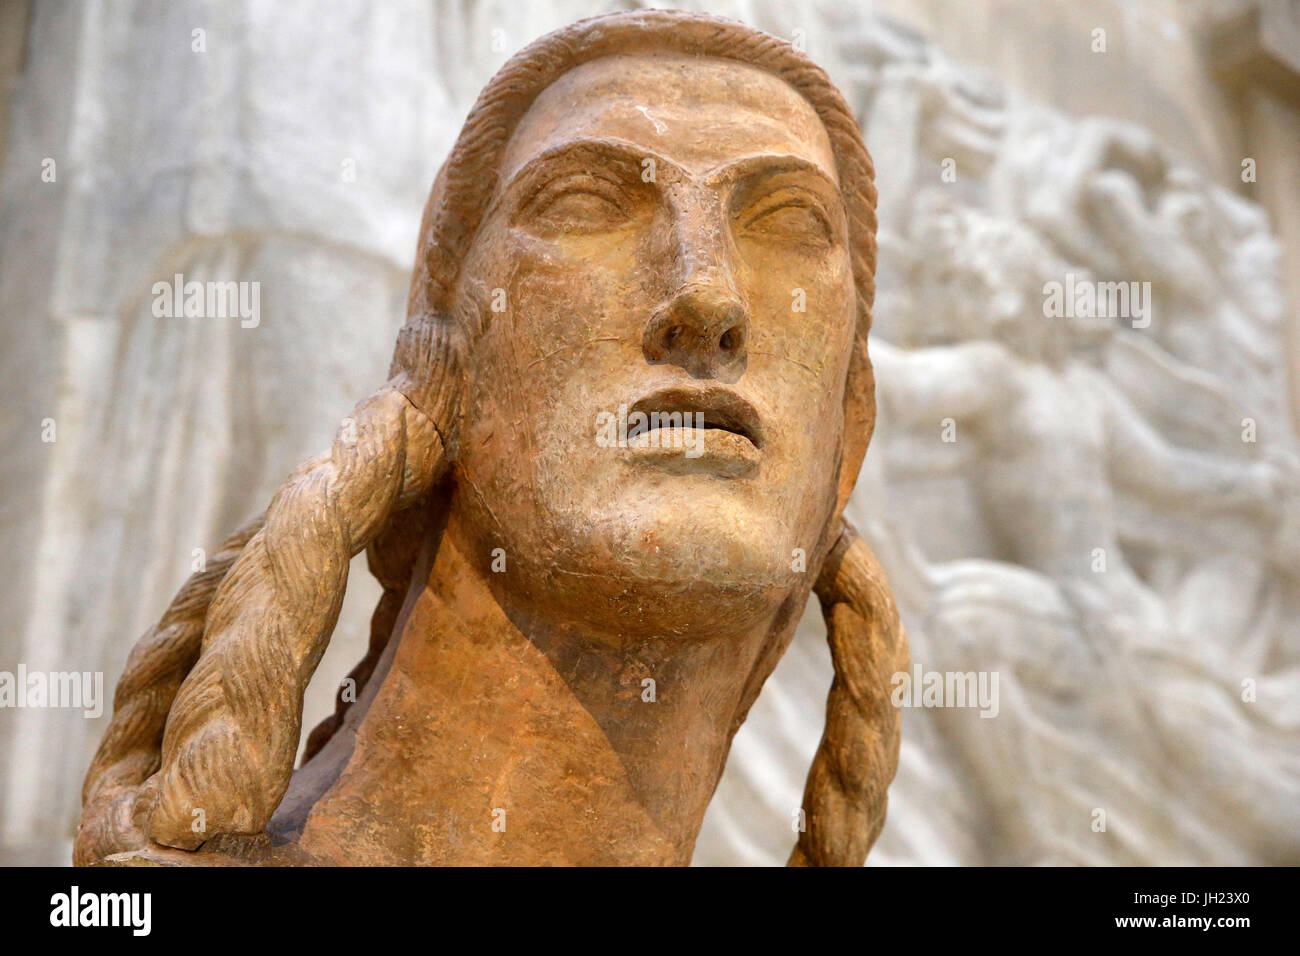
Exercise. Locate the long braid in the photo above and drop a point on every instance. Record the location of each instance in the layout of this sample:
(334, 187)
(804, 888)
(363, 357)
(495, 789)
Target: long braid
(425, 368)
(130, 750)
(845, 797)
(390, 559)
(233, 731)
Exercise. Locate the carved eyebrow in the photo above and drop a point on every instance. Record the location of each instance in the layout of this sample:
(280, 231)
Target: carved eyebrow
(766, 164)
(602, 149)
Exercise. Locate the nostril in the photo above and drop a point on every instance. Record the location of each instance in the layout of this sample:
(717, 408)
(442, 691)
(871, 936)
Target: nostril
(673, 334)
(731, 339)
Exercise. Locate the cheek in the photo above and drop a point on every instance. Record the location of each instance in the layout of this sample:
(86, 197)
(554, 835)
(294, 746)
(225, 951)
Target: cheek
(578, 315)
(553, 314)
(566, 293)
(804, 320)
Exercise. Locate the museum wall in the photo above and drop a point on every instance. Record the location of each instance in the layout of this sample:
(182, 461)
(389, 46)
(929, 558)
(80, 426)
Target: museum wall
(1100, 511)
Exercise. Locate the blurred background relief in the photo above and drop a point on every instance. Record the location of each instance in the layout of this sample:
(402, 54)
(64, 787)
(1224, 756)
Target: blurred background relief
(1114, 530)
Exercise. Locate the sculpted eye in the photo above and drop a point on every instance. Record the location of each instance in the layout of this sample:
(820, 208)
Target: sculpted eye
(582, 205)
(578, 204)
(788, 218)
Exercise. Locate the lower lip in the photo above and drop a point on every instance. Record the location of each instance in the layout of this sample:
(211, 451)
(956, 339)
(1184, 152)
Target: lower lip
(687, 451)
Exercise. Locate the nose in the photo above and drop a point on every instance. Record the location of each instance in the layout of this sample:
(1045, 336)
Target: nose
(703, 325)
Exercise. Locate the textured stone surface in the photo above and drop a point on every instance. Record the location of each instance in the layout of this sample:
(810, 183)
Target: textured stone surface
(170, 433)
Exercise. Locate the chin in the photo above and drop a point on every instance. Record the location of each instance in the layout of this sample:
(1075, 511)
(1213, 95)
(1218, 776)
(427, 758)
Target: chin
(665, 571)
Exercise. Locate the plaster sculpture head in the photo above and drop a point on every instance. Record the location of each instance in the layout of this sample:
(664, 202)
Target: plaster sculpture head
(655, 214)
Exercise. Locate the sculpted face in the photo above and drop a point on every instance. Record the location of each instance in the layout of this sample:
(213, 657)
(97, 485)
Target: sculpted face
(638, 392)
(667, 235)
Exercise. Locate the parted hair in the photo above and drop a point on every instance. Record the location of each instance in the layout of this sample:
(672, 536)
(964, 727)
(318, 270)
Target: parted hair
(208, 711)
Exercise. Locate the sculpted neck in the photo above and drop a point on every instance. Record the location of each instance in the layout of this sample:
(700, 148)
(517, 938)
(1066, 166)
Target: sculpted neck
(587, 748)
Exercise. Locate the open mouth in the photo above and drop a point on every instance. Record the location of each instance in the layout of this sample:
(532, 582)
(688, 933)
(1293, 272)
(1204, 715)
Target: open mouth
(710, 408)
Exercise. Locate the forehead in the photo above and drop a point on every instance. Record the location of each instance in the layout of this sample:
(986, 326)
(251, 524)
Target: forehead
(698, 112)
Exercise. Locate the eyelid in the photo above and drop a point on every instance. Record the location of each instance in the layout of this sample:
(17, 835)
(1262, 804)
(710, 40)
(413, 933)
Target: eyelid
(572, 185)
(783, 197)
(573, 182)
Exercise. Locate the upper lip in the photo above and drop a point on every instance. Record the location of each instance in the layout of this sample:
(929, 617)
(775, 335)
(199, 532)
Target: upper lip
(721, 407)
